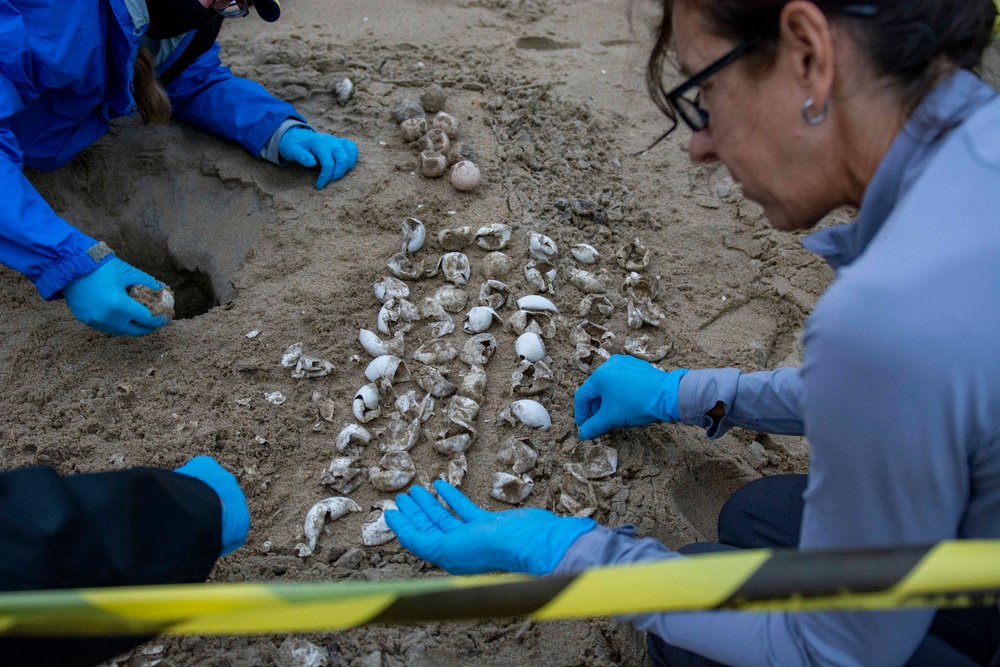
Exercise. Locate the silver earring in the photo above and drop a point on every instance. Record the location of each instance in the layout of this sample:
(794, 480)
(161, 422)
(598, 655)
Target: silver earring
(815, 120)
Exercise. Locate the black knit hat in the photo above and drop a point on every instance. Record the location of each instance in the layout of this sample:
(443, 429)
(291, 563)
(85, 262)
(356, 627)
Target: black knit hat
(269, 10)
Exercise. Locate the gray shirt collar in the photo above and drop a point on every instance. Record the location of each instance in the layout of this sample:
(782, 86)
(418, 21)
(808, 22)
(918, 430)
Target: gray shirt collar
(137, 10)
(948, 105)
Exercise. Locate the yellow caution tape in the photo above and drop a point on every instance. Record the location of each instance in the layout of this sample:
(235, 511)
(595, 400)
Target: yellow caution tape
(959, 573)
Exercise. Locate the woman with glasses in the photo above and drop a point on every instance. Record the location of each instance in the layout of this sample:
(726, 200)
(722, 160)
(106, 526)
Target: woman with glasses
(812, 105)
(66, 70)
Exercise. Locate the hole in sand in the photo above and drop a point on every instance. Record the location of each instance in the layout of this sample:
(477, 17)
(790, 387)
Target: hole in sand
(701, 490)
(544, 44)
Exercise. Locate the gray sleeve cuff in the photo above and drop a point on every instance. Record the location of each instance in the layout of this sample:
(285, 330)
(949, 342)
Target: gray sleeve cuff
(699, 392)
(270, 150)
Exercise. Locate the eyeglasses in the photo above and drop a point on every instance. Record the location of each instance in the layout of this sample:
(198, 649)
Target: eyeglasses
(688, 108)
(232, 9)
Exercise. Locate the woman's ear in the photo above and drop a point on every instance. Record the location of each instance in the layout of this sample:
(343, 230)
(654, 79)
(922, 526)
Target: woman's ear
(806, 43)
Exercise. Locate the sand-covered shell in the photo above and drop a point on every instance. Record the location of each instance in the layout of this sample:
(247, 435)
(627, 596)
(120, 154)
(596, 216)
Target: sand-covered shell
(462, 412)
(465, 175)
(160, 302)
(643, 311)
(342, 475)
(402, 435)
(538, 322)
(596, 461)
(432, 163)
(455, 238)
(408, 405)
(452, 298)
(457, 468)
(633, 256)
(589, 357)
(456, 444)
(497, 265)
(387, 366)
(595, 303)
(326, 408)
(511, 488)
(402, 109)
(433, 98)
(390, 287)
(493, 237)
(447, 124)
(413, 128)
(377, 347)
(291, 355)
(584, 253)
(529, 379)
(494, 294)
(316, 517)
(586, 282)
(588, 332)
(638, 286)
(311, 367)
(455, 267)
(352, 439)
(435, 352)
(478, 349)
(343, 89)
(397, 314)
(529, 347)
(529, 412)
(540, 275)
(375, 530)
(432, 380)
(641, 348)
(366, 406)
(473, 383)
(518, 453)
(405, 267)
(394, 471)
(435, 141)
(541, 246)
(480, 318)
(414, 235)
(576, 492)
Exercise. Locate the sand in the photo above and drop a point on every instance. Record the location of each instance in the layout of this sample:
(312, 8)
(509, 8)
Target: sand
(550, 96)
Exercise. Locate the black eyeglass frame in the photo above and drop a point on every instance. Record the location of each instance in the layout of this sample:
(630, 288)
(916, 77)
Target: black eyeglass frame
(226, 8)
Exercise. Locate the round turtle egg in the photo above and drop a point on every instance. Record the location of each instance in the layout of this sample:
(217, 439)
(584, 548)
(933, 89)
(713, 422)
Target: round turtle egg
(465, 175)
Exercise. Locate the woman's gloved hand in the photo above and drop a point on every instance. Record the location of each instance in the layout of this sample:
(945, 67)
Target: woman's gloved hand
(529, 540)
(625, 391)
(100, 301)
(235, 515)
(335, 156)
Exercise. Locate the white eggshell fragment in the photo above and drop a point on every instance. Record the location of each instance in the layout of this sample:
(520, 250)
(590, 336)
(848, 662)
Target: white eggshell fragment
(413, 128)
(446, 123)
(375, 530)
(432, 164)
(343, 90)
(334, 508)
(530, 379)
(473, 383)
(387, 366)
(529, 347)
(377, 347)
(537, 304)
(541, 246)
(455, 267)
(478, 349)
(510, 488)
(456, 444)
(584, 253)
(435, 352)
(390, 287)
(414, 235)
(394, 471)
(365, 406)
(518, 454)
(342, 475)
(352, 439)
(480, 318)
(586, 282)
(465, 176)
(530, 413)
(493, 237)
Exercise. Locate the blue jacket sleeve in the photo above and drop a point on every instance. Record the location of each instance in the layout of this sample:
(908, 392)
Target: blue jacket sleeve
(765, 401)
(208, 96)
(33, 239)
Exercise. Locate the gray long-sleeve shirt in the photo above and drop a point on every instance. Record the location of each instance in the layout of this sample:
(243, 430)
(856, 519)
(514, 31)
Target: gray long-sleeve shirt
(899, 393)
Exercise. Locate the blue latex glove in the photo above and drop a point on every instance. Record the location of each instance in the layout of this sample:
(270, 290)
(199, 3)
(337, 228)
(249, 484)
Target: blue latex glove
(625, 391)
(335, 156)
(528, 540)
(235, 515)
(100, 301)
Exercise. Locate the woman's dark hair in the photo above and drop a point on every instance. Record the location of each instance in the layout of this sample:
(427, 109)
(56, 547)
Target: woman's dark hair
(910, 42)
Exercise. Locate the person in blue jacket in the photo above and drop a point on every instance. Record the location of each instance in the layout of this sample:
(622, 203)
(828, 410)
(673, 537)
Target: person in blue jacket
(811, 105)
(66, 70)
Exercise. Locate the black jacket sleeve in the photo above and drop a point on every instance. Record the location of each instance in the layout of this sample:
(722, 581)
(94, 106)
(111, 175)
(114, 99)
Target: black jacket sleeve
(134, 527)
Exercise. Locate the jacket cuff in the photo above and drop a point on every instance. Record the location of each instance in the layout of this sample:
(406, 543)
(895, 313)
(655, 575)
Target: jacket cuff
(270, 150)
(700, 391)
(65, 271)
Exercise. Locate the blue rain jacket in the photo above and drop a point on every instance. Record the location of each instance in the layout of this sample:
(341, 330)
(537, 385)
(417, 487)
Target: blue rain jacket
(65, 73)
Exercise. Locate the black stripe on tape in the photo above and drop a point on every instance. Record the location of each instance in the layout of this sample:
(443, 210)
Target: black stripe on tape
(819, 574)
(495, 601)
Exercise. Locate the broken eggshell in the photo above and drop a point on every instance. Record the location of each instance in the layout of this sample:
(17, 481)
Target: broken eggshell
(584, 253)
(529, 379)
(529, 412)
(394, 471)
(387, 366)
(511, 489)
(435, 352)
(494, 294)
(375, 530)
(342, 475)
(518, 454)
(473, 383)
(316, 517)
(497, 265)
(377, 347)
(432, 164)
(390, 287)
(414, 235)
(540, 275)
(480, 318)
(493, 237)
(455, 267)
(478, 349)
(352, 439)
(451, 298)
(365, 406)
(413, 128)
(541, 246)
(529, 347)
(455, 238)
